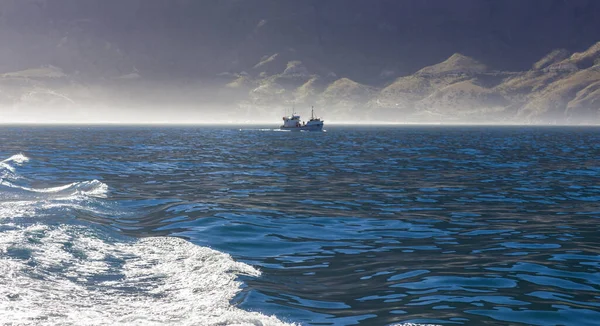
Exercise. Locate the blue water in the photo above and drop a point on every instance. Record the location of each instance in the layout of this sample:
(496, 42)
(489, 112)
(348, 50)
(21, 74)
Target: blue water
(354, 226)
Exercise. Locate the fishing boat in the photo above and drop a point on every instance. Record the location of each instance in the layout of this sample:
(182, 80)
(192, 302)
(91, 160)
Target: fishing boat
(293, 123)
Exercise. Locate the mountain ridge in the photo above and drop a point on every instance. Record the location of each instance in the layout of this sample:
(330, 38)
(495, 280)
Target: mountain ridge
(461, 89)
(457, 90)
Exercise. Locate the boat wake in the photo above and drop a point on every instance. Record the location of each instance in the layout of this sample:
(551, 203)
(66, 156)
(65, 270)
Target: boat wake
(56, 268)
(266, 130)
(280, 130)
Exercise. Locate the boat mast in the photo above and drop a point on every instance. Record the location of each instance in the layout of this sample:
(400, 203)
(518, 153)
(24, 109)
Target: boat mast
(312, 112)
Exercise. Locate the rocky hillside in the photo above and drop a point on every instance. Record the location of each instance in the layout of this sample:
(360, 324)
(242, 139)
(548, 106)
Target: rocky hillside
(561, 88)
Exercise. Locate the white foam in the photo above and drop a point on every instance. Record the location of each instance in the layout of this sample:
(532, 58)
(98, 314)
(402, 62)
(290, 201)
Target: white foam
(7, 169)
(73, 275)
(18, 159)
(74, 193)
(92, 188)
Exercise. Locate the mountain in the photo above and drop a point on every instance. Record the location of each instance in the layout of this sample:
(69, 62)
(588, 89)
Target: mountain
(345, 98)
(459, 89)
(560, 88)
(456, 64)
(464, 101)
(551, 58)
(572, 98)
(580, 60)
(447, 90)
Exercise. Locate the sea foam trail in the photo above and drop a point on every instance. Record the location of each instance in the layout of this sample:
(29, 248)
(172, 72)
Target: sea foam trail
(56, 270)
(74, 275)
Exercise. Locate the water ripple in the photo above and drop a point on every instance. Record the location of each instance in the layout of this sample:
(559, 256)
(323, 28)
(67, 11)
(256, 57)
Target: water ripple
(367, 226)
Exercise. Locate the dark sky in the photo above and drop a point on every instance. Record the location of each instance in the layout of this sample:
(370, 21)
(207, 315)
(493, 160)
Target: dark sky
(180, 39)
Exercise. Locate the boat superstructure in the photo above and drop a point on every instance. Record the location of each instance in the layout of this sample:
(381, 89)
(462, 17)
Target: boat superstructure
(293, 123)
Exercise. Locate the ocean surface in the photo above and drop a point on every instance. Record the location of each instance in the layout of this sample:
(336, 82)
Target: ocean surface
(229, 225)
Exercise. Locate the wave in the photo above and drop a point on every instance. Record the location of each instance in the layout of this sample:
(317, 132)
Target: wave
(19, 199)
(264, 129)
(18, 158)
(58, 269)
(7, 169)
(92, 188)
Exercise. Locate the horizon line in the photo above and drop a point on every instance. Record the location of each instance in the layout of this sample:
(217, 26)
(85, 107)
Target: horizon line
(264, 123)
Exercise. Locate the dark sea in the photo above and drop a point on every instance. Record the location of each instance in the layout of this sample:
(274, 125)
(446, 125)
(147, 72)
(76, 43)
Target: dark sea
(230, 225)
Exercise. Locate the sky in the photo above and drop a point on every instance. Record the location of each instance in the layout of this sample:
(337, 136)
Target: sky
(178, 55)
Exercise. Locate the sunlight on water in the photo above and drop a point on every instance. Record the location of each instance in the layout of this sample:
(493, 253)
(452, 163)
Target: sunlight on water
(357, 226)
(68, 272)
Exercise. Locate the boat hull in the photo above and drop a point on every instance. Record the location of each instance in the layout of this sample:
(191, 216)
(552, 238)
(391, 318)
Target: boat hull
(303, 128)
